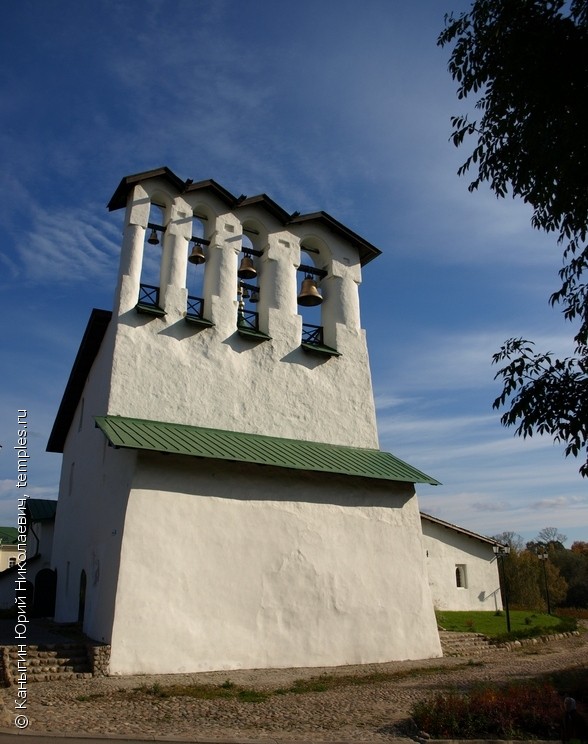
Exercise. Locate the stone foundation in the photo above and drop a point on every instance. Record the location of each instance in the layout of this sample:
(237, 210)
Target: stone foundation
(99, 658)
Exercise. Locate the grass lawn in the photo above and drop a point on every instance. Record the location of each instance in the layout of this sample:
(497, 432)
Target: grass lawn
(492, 625)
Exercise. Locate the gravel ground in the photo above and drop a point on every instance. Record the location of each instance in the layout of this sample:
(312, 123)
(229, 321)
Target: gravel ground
(377, 711)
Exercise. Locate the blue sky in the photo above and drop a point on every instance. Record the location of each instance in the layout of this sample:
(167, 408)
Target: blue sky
(334, 105)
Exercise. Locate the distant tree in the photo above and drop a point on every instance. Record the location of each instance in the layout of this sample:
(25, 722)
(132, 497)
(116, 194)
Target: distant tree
(551, 536)
(526, 63)
(556, 584)
(512, 539)
(580, 547)
(573, 566)
(523, 581)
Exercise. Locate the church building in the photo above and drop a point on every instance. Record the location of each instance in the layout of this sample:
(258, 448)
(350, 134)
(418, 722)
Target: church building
(223, 502)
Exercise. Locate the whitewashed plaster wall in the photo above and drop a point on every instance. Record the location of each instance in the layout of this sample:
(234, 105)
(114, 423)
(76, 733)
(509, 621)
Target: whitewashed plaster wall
(165, 369)
(94, 485)
(267, 568)
(445, 550)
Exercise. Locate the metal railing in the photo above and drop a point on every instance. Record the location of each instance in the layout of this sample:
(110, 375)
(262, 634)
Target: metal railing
(195, 307)
(248, 320)
(312, 334)
(148, 295)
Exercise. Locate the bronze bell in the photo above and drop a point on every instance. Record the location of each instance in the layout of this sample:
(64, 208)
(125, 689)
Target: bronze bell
(153, 239)
(246, 269)
(197, 256)
(309, 295)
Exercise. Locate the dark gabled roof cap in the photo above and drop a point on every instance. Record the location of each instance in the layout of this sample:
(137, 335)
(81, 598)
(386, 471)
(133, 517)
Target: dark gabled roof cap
(93, 336)
(367, 251)
(269, 205)
(210, 185)
(119, 198)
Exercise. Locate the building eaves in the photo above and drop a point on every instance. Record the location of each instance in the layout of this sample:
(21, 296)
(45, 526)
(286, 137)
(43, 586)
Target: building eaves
(91, 342)
(291, 454)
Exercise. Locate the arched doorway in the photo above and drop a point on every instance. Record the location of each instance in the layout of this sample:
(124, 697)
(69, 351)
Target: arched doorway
(44, 597)
(82, 600)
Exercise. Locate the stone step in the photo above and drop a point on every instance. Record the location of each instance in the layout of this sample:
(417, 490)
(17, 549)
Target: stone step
(57, 677)
(75, 653)
(48, 650)
(80, 665)
(55, 661)
(464, 644)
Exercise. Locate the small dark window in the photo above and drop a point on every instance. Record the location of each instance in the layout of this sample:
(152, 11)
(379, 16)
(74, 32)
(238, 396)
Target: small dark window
(460, 577)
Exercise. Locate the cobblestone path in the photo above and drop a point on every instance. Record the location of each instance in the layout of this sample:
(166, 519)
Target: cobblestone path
(367, 712)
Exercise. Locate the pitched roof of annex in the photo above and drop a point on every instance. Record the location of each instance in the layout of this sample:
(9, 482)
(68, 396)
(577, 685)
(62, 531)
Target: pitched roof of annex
(455, 528)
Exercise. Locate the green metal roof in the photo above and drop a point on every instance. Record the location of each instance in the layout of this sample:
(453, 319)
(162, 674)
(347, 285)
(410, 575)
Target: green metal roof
(8, 535)
(255, 448)
(41, 510)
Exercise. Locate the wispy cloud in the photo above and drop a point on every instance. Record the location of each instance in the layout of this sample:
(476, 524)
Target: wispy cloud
(68, 246)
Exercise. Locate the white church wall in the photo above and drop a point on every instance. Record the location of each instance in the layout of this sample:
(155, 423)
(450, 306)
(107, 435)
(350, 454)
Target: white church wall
(94, 485)
(260, 567)
(267, 568)
(448, 552)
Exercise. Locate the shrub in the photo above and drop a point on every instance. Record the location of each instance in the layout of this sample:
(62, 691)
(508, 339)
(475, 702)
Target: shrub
(516, 711)
(571, 683)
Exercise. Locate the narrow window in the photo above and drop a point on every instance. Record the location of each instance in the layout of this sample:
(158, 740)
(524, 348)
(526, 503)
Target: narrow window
(71, 479)
(460, 576)
(81, 422)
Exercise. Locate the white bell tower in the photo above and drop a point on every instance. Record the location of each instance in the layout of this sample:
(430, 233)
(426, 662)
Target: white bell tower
(240, 356)
(223, 501)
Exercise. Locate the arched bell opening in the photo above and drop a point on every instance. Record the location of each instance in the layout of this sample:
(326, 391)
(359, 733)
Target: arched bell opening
(197, 257)
(310, 296)
(248, 279)
(150, 281)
